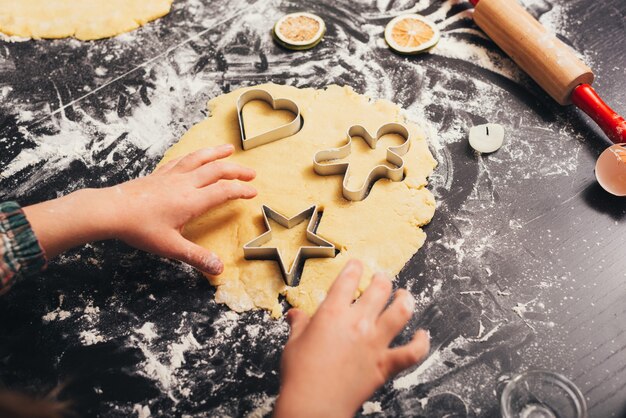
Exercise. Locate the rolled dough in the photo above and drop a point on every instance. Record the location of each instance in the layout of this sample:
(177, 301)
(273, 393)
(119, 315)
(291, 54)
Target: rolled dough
(383, 230)
(83, 19)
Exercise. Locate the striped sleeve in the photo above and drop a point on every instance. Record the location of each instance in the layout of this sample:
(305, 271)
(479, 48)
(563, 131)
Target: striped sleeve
(20, 252)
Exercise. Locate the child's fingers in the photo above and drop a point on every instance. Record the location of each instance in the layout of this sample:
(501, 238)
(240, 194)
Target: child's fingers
(203, 156)
(396, 316)
(223, 191)
(167, 166)
(375, 297)
(403, 357)
(210, 173)
(298, 322)
(193, 254)
(342, 291)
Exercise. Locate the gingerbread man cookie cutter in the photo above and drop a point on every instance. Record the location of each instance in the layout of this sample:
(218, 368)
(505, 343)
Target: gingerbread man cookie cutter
(254, 249)
(272, 135)
(323, 160)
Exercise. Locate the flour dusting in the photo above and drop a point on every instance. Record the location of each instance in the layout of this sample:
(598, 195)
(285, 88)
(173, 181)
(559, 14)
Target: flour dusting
(142, 411)
(57, 314)
(117, 128)
(91, 337)
(371, 408)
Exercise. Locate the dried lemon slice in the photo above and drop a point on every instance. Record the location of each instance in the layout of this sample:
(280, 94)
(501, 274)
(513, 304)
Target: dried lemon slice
(411, 34)
(299, 30)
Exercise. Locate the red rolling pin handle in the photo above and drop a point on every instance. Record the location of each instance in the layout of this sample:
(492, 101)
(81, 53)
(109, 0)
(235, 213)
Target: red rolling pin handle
(576, 90)
(587, 100)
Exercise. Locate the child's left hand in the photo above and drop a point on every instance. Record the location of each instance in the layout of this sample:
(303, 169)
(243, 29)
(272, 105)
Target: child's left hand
(149, 212)
(335, 360)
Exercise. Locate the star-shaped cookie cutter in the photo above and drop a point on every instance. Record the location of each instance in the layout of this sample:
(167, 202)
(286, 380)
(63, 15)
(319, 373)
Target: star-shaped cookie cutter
(323, 160)
(272, 135)
(254, 249)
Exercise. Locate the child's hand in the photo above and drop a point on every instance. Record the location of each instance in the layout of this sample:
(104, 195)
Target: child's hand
(156, 207)
(149, 212)
(334, 361)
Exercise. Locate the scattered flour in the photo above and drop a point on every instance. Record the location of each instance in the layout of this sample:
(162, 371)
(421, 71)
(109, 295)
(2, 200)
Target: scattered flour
(101, 71)
(147, 331)
(143, 411)
(162, 367)
(264, 407)
(91, 337)
(154, 369)
(370, 408)
(227, 322)
(178, 350)
(91, 313)
(482, 338)
(91, 310)
(254, 330)
(521, 308)
(58, 313)
(418, 375)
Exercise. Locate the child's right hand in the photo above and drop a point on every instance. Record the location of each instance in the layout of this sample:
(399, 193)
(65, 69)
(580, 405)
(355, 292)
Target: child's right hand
(154, 209)
(149, 212)
(334, 361)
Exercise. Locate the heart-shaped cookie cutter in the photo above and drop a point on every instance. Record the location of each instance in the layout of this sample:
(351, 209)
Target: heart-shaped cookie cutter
(281, 132)
(323, 165)
(254, 249)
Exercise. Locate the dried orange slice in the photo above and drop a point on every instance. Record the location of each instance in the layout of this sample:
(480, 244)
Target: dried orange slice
(411, 34)
(299, 30)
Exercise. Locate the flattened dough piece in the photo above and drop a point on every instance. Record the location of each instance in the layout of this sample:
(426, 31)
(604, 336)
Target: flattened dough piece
(83, 19)
(383, 230)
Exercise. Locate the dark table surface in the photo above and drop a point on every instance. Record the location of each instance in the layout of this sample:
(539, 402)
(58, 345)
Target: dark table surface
(524, 263)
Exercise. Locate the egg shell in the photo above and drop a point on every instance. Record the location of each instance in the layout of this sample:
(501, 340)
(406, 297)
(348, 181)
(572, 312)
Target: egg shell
(611, 170)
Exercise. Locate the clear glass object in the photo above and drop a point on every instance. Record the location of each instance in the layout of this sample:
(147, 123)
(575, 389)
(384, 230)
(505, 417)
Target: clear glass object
(542, 394)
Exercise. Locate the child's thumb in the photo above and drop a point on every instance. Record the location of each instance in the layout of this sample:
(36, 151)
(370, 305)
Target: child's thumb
(195, 255)
(298, 321)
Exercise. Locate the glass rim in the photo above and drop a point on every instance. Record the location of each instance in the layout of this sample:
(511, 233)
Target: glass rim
(563, 382)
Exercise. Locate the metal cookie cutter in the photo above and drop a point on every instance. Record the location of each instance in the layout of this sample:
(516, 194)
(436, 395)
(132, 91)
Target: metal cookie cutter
(281, 132)
(325, 163)
(254, 250)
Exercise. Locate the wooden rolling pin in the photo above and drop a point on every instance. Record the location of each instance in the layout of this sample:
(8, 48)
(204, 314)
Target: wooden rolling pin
(551, 63)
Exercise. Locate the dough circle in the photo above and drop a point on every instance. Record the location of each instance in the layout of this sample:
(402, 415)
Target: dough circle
(82, 19)
(383, 230)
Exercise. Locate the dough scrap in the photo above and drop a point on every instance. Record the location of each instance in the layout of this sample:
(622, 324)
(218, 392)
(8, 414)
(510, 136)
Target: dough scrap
(82, 19)
(383, 230)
